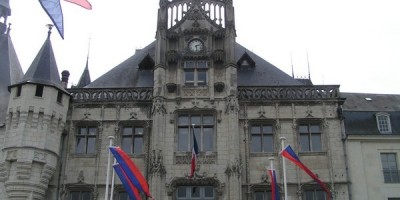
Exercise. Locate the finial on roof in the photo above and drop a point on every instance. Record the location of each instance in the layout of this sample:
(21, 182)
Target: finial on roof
(308, 64)
(49, 26)
(291, 61)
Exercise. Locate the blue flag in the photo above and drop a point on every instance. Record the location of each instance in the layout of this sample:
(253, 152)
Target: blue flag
(54, 11)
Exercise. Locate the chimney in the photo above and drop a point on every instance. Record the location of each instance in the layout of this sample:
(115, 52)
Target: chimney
(64, 78)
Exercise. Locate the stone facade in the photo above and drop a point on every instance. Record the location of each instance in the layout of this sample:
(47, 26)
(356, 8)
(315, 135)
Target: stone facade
(59, 150)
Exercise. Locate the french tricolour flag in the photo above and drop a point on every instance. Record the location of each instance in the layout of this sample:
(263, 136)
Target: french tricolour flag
(289, 154)
(195, 151)
(274, 185)
(130, 172)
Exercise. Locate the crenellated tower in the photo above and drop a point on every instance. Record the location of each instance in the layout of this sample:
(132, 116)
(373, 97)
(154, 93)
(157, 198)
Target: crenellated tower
(35, 122)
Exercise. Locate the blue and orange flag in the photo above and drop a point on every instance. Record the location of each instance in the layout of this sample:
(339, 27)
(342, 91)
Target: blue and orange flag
(130, 171)
(289, 154)
(274, 185)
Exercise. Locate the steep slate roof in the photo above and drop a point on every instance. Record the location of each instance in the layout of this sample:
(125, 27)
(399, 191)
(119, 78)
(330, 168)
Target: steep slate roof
(263, 74)
(128, 74)
(85, 77)
(43, 69)
(360, 112)
(10, 71)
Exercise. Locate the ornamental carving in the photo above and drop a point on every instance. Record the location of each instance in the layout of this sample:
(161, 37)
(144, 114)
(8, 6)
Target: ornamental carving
(158, 106)
(218, 56)
(232, 104)
(24, 170)
(234, 168)
(86, 95)
(206, 181)
(39, 156)
(3, 172)
(172, 57)
(156, 163)
(202, 158)
(288, 93)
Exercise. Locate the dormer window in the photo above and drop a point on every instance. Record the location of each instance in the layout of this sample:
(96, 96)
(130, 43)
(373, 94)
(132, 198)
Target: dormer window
(147, 63)
(246, 61)
(383, 122)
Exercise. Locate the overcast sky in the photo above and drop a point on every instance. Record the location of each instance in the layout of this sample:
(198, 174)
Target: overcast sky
(351, 43)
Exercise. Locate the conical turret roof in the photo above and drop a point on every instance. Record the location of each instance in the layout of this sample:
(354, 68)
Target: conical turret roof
(10, 71)
(43, 69)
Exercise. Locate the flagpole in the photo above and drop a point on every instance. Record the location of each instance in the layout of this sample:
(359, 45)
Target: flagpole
(108, 167)
(271, 163)
(112, 182)
(284, 168)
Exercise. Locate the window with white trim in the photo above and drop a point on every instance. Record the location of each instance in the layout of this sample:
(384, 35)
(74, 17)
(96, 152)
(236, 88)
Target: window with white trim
(390, 169)
(383, 122)
(195, 73)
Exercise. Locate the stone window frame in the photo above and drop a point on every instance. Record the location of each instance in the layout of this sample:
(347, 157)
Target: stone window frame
(383, 122)
(275, 141)
(79, 187)
(196, 71)
(263, 187)
(199, 140)
(76, 128)
(145, 136)
(219, 187)
(309, 122)
(191, 189)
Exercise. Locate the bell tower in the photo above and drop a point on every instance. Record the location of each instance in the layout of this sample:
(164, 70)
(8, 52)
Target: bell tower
(195, 77)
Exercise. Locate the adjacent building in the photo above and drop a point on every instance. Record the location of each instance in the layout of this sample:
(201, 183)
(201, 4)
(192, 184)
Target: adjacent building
(373, 145)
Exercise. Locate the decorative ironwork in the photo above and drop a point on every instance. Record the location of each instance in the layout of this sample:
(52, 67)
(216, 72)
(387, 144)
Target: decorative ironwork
(289, 92)
(90, 95)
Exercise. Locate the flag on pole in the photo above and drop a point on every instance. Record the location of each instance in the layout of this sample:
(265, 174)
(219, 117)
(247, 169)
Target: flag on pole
(274, 185)
(132, 172)
(54, 11)
(133, 193)
(83, 3)
(195, 151)
(289, 154)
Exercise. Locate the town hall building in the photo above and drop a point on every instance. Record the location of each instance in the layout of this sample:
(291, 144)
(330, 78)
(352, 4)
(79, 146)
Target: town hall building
(194, 79)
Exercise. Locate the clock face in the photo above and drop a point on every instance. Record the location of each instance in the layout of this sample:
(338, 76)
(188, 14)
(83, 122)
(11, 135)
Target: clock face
(196, 45)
